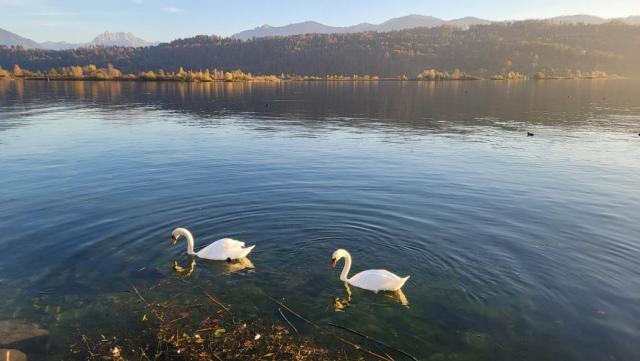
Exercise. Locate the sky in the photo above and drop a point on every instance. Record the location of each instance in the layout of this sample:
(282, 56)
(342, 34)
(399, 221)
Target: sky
(165, 20)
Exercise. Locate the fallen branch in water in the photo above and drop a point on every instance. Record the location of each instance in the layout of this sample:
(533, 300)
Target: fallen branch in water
(214, 300)
(355, 346)
(289, 322)
(362, 349)
(148, 305)
(294, 312)
(372, 340)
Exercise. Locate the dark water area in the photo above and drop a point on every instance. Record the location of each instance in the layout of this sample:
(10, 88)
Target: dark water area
(519, 248)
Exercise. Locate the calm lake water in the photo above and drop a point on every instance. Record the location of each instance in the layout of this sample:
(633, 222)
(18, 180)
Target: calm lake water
(519, 248)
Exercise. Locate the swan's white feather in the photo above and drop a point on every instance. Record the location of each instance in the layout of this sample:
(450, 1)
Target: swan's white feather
(223, 249)
(377, 280)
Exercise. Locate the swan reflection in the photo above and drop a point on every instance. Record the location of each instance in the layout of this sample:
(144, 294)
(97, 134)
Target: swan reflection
(237, 265)
(182, 270)
(340, 304)
(228, 267)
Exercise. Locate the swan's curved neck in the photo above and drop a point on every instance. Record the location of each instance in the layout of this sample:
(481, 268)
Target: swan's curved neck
(344, 276)
(190, 241)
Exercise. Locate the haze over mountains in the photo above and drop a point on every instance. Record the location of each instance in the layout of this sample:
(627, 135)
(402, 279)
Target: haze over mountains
(8, 38)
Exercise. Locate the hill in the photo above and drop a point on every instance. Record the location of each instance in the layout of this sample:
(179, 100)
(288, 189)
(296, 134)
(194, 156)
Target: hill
(527, 47)
(10, 39)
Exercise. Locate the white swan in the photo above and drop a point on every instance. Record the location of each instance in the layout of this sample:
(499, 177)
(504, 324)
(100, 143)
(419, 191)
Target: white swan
(221, 250)
(373, 280)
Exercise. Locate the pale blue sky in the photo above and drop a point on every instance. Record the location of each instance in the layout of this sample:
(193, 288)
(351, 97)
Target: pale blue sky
(163, 20)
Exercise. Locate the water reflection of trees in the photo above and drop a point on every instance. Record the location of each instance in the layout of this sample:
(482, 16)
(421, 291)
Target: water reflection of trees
(447, 107)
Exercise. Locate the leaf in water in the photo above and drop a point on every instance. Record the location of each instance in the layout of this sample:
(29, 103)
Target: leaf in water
(219, 332)
(144, 317)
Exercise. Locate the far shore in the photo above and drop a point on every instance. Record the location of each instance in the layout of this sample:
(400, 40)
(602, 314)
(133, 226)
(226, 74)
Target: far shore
(258, 80)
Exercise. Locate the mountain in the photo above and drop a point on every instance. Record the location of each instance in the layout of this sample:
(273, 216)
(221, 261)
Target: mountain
(468, 21)
(410, 22)
(580, 18)
(395, 24)
(120, 39)
(10, 39)
(105, 39)
(406, 22)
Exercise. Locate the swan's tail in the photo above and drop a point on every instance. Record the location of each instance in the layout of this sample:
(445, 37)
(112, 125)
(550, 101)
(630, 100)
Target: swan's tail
(403, 281)
(245, 251)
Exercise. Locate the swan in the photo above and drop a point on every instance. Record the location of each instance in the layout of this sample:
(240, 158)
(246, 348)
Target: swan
(225, 249)
(373, 280)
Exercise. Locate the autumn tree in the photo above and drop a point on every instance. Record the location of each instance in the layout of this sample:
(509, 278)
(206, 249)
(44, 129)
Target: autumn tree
(17, 71)
(76, 72)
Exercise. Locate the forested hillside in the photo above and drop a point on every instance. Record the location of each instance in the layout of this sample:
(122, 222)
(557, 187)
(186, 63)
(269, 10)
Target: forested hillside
(527, 47)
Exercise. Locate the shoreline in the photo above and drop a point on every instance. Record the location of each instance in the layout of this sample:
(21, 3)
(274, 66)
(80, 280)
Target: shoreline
(301, 80)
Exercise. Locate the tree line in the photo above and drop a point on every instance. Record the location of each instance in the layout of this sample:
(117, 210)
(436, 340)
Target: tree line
(497, 50)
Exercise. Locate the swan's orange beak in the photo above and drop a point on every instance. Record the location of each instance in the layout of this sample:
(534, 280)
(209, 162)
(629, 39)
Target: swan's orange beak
(333, 262)
(174, 240)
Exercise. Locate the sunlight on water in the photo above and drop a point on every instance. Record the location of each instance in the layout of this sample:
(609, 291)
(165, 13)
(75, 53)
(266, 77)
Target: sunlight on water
(518, 247)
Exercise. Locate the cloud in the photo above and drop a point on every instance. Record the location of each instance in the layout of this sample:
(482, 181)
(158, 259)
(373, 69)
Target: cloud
(171, 9)
(137, 1)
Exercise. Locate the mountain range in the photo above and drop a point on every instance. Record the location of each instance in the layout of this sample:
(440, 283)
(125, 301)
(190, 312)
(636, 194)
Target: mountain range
(401, 23)
(105, 39)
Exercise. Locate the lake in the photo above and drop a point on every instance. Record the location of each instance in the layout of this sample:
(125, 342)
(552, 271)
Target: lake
(518, 248)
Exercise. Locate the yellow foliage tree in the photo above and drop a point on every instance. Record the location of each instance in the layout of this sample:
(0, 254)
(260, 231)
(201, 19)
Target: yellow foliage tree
(17, 71)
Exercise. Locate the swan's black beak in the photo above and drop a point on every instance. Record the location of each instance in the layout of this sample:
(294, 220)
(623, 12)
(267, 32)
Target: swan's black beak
(333, 262)
(174, 240)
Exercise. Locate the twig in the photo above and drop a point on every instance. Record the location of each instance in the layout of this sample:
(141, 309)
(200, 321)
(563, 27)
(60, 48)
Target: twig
(372, 340)
(214, 300)
(84, 338)
(293, 312)
(158, 315)
(285, 318)
(144, 354)
(360, 348)
(177, 319)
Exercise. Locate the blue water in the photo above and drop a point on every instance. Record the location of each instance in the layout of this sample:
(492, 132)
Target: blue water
(518, 247)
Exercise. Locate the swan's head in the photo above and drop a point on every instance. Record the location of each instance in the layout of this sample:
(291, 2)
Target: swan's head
(337, 255)
(177, 233)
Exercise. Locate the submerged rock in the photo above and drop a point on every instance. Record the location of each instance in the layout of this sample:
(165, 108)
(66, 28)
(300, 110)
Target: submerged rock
(12, 355)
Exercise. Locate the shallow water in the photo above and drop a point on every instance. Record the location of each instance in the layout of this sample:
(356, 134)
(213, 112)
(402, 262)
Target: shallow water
(518, 247)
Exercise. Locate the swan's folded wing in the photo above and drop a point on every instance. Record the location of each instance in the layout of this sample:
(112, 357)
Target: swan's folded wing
(377, 279)
(223, 249)
(230, 243)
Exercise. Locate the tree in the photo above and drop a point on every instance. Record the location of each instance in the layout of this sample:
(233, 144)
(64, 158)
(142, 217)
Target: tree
(17, 71)
(181, 73)
(113, 72)
(206, 76)
(53, 73)
(76, 72)
(3, 73)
